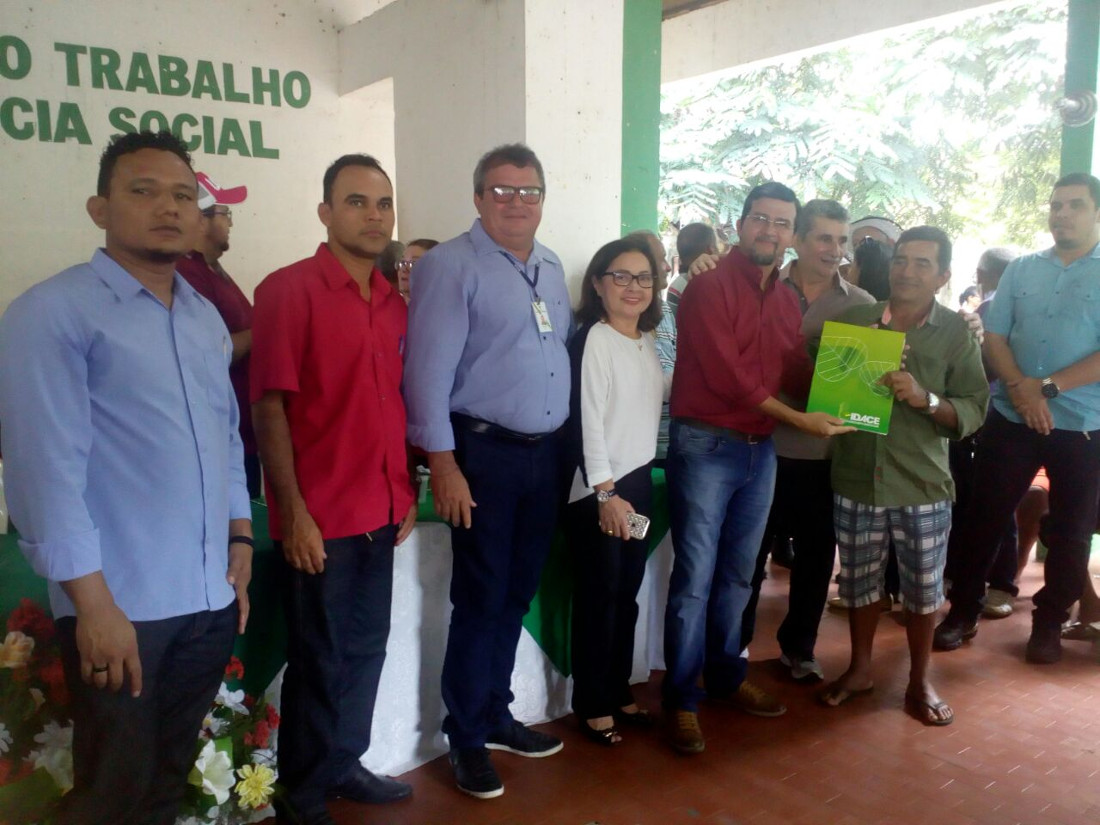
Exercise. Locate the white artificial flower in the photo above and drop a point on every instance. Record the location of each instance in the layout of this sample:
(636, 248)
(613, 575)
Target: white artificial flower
(213, 772)
(6, 738)
(232, 699)
(56, 754)
(213, 725)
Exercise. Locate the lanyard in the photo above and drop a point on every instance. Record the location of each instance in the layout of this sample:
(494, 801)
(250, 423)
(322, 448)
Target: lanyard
(531, 282)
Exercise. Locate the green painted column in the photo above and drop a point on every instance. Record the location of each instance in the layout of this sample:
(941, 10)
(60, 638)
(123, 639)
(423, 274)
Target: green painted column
(641, 113)
(1080, 148)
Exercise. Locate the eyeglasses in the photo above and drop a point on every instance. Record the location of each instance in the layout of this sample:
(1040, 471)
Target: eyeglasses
(214, 211)
(623, 278)
(405, 264)
(763, 221)
(527, 194)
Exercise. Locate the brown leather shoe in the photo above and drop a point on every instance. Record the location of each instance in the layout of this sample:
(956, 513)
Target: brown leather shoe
(682, 731)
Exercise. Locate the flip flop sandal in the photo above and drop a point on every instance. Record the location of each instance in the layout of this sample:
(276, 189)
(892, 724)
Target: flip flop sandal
(925, 712)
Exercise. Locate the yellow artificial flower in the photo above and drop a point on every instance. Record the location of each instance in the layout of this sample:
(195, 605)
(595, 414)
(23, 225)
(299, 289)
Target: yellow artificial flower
(256, 786)
(16, 650)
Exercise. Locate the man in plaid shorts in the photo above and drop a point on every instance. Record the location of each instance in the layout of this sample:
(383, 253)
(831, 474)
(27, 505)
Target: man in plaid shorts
(899, 486)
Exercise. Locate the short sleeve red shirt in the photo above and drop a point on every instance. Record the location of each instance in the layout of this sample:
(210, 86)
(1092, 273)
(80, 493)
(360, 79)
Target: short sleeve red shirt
(338, 359)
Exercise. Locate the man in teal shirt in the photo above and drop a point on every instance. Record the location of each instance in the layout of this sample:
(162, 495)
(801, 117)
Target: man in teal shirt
(1043, 343)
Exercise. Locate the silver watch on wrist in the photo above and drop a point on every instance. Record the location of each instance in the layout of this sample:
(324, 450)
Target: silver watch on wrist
(933, 403)
(604, 496)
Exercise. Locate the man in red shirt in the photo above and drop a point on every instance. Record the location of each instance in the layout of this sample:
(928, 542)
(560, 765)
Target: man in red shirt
(739, 343)
(327, 344)
(203, 270)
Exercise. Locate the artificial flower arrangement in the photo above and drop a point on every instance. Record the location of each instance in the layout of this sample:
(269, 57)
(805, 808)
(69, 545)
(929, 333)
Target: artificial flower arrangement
(36, 734)
(233, 778)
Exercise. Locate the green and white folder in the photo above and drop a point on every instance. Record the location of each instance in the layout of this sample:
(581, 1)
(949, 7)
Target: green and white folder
(850, 363)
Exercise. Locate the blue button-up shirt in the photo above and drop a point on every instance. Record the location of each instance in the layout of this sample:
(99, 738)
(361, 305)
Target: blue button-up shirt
(474, 344)
(1050, 315)
(120, 443)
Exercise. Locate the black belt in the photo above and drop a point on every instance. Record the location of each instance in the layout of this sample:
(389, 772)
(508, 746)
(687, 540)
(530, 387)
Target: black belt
(724, 432)
(476, 425)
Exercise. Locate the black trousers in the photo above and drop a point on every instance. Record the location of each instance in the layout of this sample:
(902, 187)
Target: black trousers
(1007, 458)
(1002, 576)
(338, 622)
(803, 510)
(607, 573)
(131, 756)
(496, 570)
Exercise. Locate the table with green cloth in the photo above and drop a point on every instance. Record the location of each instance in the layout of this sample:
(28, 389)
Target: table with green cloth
(409, 706)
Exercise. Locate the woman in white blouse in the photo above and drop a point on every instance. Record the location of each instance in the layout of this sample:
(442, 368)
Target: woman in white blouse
(618, 388)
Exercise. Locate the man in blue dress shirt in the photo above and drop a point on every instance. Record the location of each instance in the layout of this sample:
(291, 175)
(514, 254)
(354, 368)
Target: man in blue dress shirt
(1043, 342)
(487, 391)
(124, 474)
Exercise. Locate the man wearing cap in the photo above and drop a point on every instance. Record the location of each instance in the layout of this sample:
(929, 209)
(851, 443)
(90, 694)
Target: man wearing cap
(203, 270)
(123, 472)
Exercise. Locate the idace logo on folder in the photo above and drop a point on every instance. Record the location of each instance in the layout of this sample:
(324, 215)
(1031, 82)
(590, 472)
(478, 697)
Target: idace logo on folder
(850, 363)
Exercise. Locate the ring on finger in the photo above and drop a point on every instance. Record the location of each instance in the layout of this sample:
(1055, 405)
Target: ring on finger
(103, 669)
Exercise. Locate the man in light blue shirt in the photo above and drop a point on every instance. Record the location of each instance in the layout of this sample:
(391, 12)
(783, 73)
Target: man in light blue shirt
(487, 390)
(1043, 343)
(124, 475)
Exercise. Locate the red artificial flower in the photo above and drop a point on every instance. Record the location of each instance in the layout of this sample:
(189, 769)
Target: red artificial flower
(235, 668)
(271, 716)
(53, 674)
(249, 701)
(32, 620)
(5, 771)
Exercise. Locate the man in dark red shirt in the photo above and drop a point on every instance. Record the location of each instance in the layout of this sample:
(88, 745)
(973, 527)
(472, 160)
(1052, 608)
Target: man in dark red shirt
(203, 270)
(328, 339)
(739, 343)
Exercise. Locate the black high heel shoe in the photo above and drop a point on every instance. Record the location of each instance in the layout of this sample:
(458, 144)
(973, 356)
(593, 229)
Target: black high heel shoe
(608, 737)
(639, 719)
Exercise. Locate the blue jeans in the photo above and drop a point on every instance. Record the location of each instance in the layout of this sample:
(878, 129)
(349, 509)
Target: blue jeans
(719, 493)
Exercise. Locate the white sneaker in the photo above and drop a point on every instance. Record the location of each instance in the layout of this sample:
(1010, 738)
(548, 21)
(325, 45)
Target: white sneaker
(997, 604)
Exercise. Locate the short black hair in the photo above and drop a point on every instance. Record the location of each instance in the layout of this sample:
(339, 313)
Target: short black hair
(968, 293)
(929, 233)
(591, 309)
(342, 163)
(691, 242)
(1082, 179)
(135, 142)
(514, 154)
(818, 208)
(776, 191)
(423, 243)
(872, 259)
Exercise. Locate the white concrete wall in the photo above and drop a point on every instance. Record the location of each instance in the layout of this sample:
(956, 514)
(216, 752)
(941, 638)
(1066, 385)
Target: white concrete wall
(43, 226)
(458, 86)
(736, 32)
(574, 121)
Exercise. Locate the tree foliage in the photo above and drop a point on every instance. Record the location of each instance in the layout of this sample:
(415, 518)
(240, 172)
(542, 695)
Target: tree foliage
(953, 125)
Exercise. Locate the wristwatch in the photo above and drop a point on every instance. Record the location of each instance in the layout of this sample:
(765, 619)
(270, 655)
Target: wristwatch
(603, 496)
(1049, 388)
(933, 403)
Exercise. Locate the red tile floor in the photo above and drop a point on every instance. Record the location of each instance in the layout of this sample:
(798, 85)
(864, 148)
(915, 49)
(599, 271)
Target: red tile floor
(1025, 748)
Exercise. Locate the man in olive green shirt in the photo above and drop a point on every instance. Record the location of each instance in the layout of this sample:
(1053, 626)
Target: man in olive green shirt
(900, 485)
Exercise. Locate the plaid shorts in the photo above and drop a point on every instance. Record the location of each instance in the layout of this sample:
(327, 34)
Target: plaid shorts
(863, 534)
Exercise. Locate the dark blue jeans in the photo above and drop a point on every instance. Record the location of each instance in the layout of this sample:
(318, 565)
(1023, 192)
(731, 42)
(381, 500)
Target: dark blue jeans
(719, 493)
(131, 756)
(1007, 458)
(495, 574)
(338, 622)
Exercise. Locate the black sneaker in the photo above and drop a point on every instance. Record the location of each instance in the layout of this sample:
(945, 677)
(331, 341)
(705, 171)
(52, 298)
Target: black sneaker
(952, 632)
(518, 739)
(1045, 645)
(475, 774)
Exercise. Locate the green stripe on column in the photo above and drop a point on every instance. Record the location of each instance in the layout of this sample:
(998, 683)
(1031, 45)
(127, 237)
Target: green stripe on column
(1079, 145)
(641, 113)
